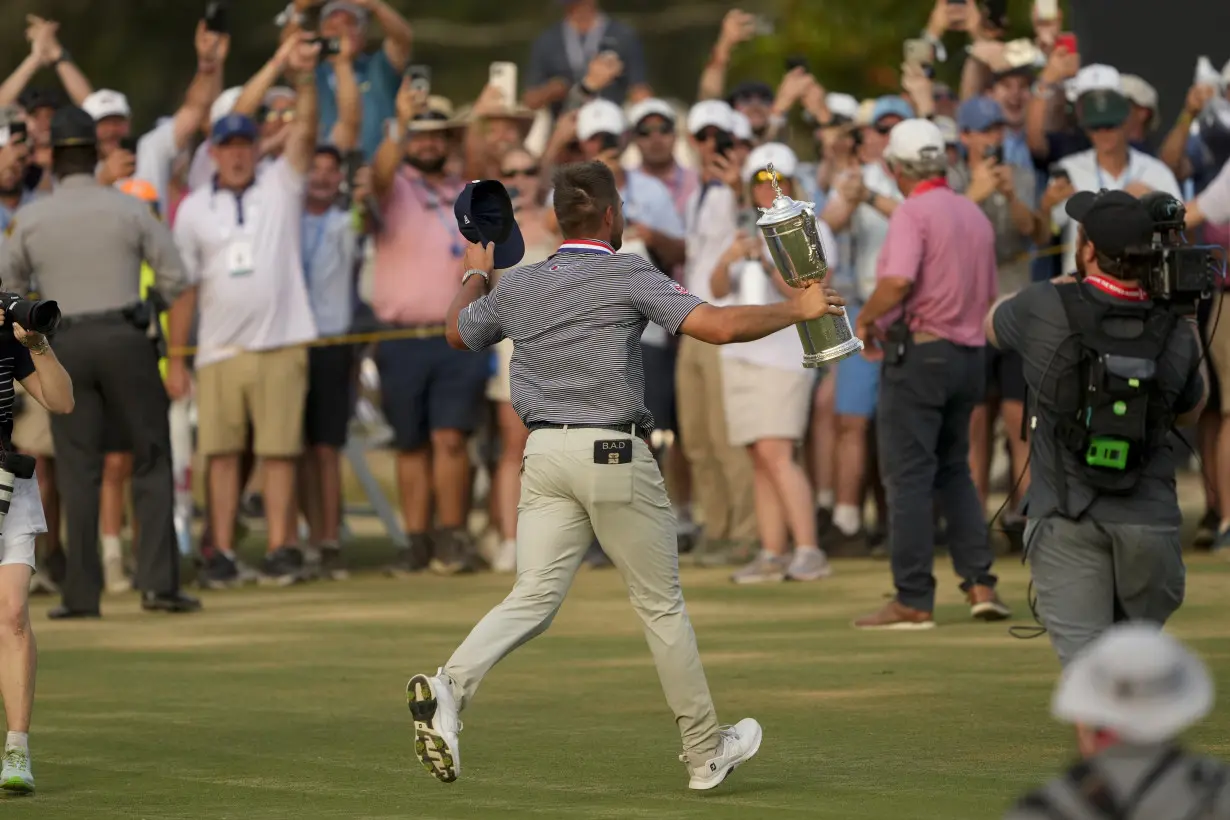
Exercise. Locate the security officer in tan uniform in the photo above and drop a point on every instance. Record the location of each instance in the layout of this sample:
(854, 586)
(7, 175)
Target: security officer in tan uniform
(1135, 690)
(85, 244)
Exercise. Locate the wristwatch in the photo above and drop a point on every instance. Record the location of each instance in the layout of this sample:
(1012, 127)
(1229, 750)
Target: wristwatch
(465, 277)
(65, 57)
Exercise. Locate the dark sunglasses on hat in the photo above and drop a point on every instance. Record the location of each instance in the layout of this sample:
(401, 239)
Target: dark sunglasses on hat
(645, 130)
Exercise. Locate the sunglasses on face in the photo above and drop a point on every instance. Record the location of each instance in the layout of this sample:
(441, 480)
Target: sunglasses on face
(280, 116)
(520, 172)
(651, 130)
(765, 175)
(748, 99)
(884, 129)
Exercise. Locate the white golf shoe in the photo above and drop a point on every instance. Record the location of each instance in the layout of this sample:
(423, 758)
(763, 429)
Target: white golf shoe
(736, 745)
(436, 725)
(16, 777)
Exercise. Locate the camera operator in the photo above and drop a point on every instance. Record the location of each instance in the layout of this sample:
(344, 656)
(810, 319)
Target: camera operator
(1103, 534)
(85, 243)
(35, 366)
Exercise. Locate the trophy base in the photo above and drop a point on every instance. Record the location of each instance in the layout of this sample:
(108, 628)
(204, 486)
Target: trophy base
(844, 350)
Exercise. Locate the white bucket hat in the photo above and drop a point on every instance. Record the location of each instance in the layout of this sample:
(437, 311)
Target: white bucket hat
(1136, 681)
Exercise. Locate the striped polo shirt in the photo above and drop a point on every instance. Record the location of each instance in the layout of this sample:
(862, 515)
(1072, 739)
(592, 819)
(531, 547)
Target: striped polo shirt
(576, 320)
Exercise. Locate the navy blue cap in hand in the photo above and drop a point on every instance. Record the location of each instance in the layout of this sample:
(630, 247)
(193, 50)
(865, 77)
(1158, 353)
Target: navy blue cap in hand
(484, 214)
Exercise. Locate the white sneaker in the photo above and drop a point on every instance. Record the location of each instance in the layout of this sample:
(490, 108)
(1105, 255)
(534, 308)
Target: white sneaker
(114, 578)
(436, 725)
(16, 777)
(506, 559)
(736, 744)
(809, 565)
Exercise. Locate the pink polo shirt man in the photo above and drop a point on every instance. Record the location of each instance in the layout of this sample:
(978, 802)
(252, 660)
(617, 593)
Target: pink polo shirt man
(418, 257)
(945, 245)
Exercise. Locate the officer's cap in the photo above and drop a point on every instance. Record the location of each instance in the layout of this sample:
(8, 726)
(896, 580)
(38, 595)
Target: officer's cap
(1114, 221)
(72, 126)
(484, 214)
(1136, 681)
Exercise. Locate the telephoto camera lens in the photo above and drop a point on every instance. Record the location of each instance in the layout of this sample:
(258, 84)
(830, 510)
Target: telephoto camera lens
(39, 316)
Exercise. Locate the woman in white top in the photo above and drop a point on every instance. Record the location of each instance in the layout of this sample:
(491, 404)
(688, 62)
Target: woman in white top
(767, 390)
(519, 173)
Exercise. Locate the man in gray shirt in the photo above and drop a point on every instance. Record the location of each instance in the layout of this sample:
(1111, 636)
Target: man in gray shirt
(1100, 555)
(1137, 689)
(85, 243)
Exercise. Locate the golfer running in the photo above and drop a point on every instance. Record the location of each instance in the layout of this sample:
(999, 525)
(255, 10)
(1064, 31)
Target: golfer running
(578, 384)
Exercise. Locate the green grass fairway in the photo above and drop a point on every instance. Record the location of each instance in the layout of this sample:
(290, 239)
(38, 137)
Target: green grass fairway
(290, 704)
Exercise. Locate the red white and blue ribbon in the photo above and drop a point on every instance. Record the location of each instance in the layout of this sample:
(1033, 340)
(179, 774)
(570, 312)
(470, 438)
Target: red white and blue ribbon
(585, 246)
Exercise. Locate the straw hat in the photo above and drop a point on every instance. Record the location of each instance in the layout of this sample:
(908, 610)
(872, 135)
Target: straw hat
(437, 116)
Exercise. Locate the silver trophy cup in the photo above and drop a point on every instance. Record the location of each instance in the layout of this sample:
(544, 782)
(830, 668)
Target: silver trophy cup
(789, 228)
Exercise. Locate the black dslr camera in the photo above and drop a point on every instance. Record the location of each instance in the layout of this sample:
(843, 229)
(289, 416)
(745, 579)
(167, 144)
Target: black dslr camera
(1170, 270)
(41, 316)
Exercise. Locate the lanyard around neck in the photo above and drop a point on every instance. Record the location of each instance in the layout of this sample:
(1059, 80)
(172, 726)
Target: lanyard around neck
(579, 51)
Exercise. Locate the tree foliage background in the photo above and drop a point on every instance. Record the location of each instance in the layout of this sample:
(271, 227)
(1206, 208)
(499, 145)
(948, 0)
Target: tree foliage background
(144, 47)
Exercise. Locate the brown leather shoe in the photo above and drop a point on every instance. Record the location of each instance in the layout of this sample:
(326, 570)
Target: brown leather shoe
(985, 605)
(896, 615)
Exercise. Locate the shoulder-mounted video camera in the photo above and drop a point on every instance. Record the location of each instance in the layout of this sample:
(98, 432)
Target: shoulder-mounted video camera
(1170, 270)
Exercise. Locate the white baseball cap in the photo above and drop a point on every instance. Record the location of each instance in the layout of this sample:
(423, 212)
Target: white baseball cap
(651, 107)
(353, 9)
(1136, 681)
(741, 127)
(225, 103)
(1096, 77)
(784, 161)
(915, 140)
(948, 127)
(1139, 91)
(711, 113)
(106, 103)
(842, 105)
(600, 117)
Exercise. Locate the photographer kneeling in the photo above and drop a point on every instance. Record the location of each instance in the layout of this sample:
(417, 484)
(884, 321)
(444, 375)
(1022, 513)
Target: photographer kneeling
(1111, 370)
(34, 365)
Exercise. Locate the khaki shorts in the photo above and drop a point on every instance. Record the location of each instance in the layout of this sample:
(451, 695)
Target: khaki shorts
(32, 427)
(266, 389)
(1219, 348)
(764, 402)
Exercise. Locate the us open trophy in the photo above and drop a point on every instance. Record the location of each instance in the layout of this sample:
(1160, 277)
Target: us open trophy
(789, 228)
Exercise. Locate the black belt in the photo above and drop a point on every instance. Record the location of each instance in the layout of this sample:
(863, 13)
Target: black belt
(106, 316)
(630, 429)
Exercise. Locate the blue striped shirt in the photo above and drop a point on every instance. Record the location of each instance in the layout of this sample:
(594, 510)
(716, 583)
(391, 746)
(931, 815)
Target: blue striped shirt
(576, 320)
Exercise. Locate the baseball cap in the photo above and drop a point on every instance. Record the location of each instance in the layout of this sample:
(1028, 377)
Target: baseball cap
(915, 140)
(234, 126)
(33, 99)
(843, 107)
(979, 114)
(600, 117)
(650, 107)
(72, 126)
(1102, 108)
(484, 214)
(891, 106)
(750, 89)
(784, 161)
(225, 103)
(741, 127)
(353, 9)
(1096, 77)
(711, 114)
(1113, 220)
(1136, 681)
(106, 103)
(1139, 92)
(279, 92)
(948, 128)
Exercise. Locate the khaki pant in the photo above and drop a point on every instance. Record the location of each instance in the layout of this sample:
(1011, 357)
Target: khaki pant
(721, 472)
(266, 389)
(1219, 348)
(567, 499)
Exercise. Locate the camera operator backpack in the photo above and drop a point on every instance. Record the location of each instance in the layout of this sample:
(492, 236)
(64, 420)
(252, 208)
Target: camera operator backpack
(1112, 413)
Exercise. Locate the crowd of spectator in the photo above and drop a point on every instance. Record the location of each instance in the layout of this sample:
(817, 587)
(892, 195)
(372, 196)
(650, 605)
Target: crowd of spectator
(341, 220)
